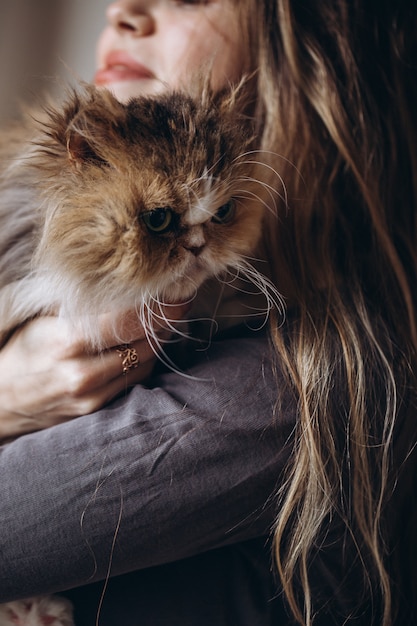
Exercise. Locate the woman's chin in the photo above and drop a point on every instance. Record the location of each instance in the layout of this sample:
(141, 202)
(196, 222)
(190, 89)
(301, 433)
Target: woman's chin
(125, 90)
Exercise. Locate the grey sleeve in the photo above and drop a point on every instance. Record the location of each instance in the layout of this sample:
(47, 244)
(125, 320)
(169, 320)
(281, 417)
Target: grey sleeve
(161, 474)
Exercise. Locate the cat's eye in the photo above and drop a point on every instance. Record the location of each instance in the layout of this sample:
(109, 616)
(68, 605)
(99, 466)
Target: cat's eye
(159, 221)
(225, 213)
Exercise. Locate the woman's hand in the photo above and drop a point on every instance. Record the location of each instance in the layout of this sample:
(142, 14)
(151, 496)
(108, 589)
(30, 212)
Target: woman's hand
(49, 375)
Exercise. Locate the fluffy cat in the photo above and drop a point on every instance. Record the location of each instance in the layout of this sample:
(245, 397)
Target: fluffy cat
(107, 206)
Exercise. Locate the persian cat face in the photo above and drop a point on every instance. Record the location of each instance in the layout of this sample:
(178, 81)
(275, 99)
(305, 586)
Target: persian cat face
(145, 200)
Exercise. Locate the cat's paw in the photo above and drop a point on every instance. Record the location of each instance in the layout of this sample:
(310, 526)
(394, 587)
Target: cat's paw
(40, 611)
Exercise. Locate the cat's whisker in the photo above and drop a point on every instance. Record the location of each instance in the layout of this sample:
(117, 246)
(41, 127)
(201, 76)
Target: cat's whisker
(236, 280)
(243, 270)
(154, 309)
(250, 194)
(249, 258)
(263, 163)
(245, 194)
(272, 191)
(158, 314)
(265, 285)
(284, 195)
(147, 316)
(271, 153)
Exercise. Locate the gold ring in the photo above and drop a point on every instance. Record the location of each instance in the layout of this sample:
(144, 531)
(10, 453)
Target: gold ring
(129, 356)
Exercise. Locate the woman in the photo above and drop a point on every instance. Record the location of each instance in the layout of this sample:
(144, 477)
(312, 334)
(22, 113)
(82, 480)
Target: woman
(183, 480)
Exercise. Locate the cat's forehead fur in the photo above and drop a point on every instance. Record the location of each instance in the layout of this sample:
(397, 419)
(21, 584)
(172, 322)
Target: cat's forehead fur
(173, 135)
(167, 150)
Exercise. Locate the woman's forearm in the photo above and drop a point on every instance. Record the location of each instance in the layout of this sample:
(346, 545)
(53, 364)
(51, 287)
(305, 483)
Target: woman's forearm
(159, 475)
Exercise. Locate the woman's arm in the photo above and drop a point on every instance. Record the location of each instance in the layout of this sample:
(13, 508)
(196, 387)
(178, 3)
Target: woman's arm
(49, 374)
(162, 474)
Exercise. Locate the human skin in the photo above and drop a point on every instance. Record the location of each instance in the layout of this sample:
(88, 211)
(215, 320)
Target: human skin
(48, 375)
(151, 45)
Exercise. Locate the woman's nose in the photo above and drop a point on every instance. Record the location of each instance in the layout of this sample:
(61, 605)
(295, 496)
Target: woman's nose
(127, 16)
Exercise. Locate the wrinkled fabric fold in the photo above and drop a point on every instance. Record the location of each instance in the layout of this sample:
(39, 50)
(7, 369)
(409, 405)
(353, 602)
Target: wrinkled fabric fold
(161, 475)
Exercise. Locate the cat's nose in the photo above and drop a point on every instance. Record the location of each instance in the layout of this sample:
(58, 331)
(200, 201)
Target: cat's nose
(196, 250)
(194, 240)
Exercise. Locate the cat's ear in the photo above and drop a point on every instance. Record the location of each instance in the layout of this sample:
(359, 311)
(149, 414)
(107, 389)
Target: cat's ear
(91, 120)
(81, 149)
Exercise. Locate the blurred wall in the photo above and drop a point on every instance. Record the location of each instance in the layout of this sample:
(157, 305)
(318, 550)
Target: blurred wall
(44, 44)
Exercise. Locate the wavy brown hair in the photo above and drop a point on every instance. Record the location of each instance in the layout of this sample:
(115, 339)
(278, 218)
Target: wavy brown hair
(337, 87)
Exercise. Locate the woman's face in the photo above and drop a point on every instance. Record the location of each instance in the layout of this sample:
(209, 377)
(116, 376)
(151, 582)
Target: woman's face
(151, 45)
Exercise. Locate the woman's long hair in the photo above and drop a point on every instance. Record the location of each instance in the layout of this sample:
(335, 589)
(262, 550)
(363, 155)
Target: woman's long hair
(337, 86)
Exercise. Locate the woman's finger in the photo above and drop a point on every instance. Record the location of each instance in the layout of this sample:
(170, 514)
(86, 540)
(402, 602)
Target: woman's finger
(128, 327)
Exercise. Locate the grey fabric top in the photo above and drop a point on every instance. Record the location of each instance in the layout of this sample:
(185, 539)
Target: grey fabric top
(159, 476)
(171, 492)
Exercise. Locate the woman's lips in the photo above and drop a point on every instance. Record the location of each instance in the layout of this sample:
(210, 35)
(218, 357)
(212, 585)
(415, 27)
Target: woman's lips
(120, 66)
